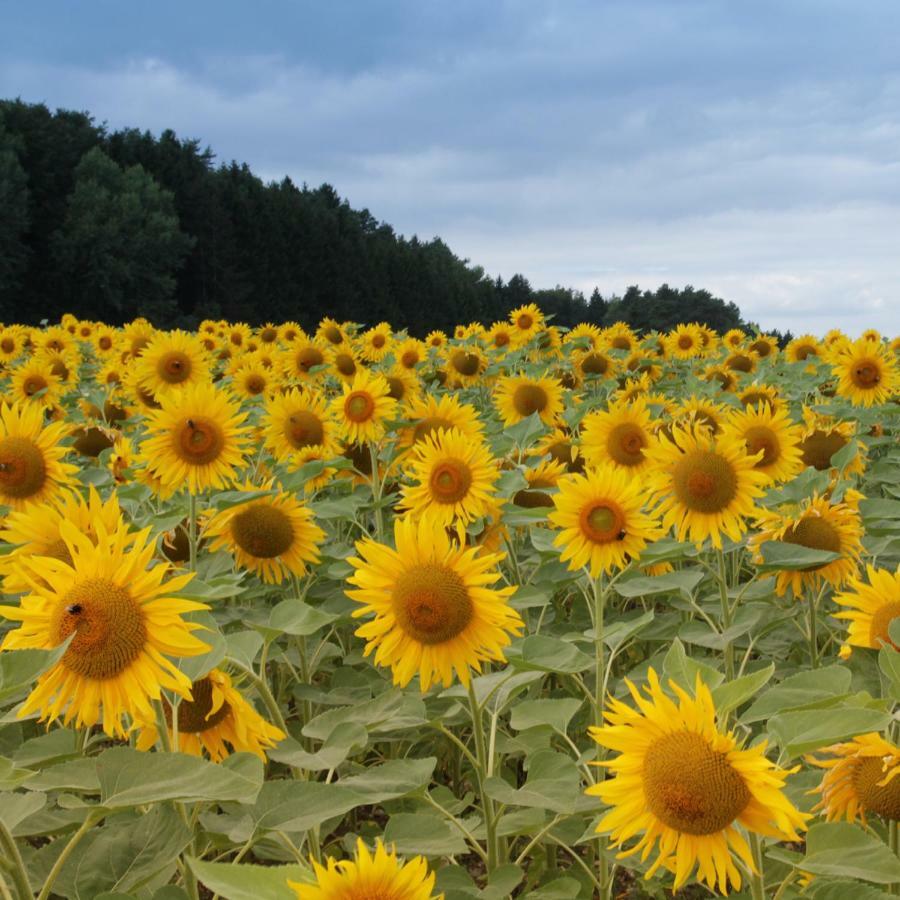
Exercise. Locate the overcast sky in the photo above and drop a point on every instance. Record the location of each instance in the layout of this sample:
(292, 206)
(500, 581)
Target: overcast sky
(752, 149)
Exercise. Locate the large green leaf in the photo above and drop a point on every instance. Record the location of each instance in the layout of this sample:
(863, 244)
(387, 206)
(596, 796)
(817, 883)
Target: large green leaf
(16, 807)
(779, 555)
(556, 712)
(428, 835)
(246, 881)
(846, 851)
(553, 783)
(682, 581)
(801, 731)
(393, 710)
(543, 653)
(732, 694)
(803, 690)
(19, 669)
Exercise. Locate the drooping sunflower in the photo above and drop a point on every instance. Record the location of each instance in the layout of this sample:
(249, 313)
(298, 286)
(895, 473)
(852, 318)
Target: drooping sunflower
(618, 435)
(743, 361)
(217, 719)
(860, 778)
(866, 373)
(526, 321)
(775, 434)
(379, 876)
(684, 342)
(802, 348)
(434, 603)
(705, 486)
(376, 343)
(403, 384)
(196, 440)
(34, 381)
(124, 623)
(465, 365)
(273, 535)
(869, 608)
(726, 379)
(297, 419)
(173, 360)
(31, 467)
(364, 408)
(541, 478)
(518, 396)
(601, 514)
(560, 447)
(454, 478)
(818, 524)
(689, 790)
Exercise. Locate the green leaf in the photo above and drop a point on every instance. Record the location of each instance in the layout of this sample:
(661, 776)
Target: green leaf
(128, 777)
(419, 833)
(684, 670)
(732, 694)
(841, 890)
(778, 555)
(297, 618)
(395, 778)
(683, 581)
(543, 653)
(553, 783)
(805, 730)
(846, 851)
(393, 710)
(75, 775)
(195, 667)
(16, 807)
(19, 669)
(345, 738)
(245, 881)
(244, 646)
(622, 629)
(889, 663)
(564, 888)
(799, 691)
(557, 713)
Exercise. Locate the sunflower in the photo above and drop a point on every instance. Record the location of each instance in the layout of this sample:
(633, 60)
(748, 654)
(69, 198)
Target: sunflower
(296, 420)
(34, 381)
(602, 520)
(273, 535)
(403, 384)
(251, 379)
(500, 337)
(860, 779)
(124, 621)
(435, 339)
(105, 341)
(215, 718)
(196, 439)
(173, 360)
(540, 478)
(465, 365)
(823, 436)
(238, 334)
(31, 467)
(584, 334)
(690, 790)
(620, 337)
(743, 361)
(705, 413)
(817, 524)
(764, 346)
(518, 396)
(330, 331)
(267, 334)
(866, 373)
(376, 343)
(369, 875)
(455, 478)
(316, 453)
(634, 388)
(435, 608)
(618, 435)
(709, 340)
(303, 355)
(136, 335)
(802, 348)
(559, 446)
(775, 434)
(590, 364)
(734, 338)
(639, 364)
(684, 342)
(121, 459)
(756, 393)
(288, 332)
(409, 353)
(11, 344)
(363, 408)
(705, 486)
(868, 607)
(725, 379)
(526, 321)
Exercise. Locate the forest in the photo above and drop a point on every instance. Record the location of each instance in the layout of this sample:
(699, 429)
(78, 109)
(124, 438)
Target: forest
(113, 224)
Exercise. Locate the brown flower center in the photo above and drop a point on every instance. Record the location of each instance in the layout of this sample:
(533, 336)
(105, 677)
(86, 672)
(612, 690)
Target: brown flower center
(7, 345)
(262, 531)
(602, 522)
(430, 425)
(23, 470)
(359, 406)
(269, 335)
(740, 362)
(199, 440)
(621, 342)
(595, 364)
(450, 481)
(529, 398)
(626, 444)
(196, 716)
(304, 429)
(34, 383)
(763, 348)
(465, 363)
(254, 383)
(333, 335)
(396, 387)
(820, 446)
(816, 534)
(866, 374)
(804, 351)
(431, 603)
(174, 367)
(882, 800)
(307, 358)
(409, 359)
(525, 321)
(704, 481)
(759, 437)
(685, 342)
(345, 364)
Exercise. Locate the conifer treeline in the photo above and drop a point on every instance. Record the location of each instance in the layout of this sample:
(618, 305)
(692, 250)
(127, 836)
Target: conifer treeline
(114, 224)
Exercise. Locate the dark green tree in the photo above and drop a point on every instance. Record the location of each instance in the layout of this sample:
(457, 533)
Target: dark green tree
(14, 222)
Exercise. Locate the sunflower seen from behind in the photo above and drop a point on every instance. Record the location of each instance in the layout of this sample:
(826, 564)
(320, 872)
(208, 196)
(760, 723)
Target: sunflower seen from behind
(196, 440)
(435, 605)
(125, 623)
(364, 408)
(686, 789)
(369, 876)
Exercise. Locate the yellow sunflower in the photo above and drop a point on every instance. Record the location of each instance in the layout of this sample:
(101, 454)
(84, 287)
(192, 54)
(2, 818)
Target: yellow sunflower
(173, 360)
(500, 337)
(560, 447)
(620, 337)
(689, 790)
(860, 778)
(866, 373)
(454, 478)
(376, 343)
(123, 621)
(296, 420)
(592, 364)
(34, 381)
(705, 413)
(403, 384)
(267, 334)
(540, 478)
(303, 355)
(819, 525)
(435, 339)
(526, 321)
(775, 434)
(618, 435)
(684, 342)
(409, 353)
(465, 365)
(743, 361)
(586, 335)
(733, 338)
(330, 330)
(31, 467)
(434, 603)
(726, 379)
(196, 439)
(217, 720)
(868, 607)
(705, 486)
(802, 348)
(764, 346)
(251, 379)
(345, 363)
(12, 344)
(364, 408)
(288, 332)
(239, 333)
(823, 436)
(756, 393)
(369, 876)
(601, 514)
(273, 536)
(518, 396)
(429, 414)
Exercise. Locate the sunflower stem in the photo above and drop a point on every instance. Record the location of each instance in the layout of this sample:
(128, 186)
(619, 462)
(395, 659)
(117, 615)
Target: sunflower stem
(13, 859)
(599, 597)
(487, 805)
(192, 532)
(894, 840)
(728, 650)
(74, 841)
(377, 490)
(812, 609)
(757, 879)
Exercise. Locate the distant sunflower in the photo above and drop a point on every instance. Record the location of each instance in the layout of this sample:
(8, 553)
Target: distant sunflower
(434, 603)
(585, 335)
(860, 779)
(868, 607)
(593, 364)
(454, 478)
(465, 365)
(818, 524)
(866, 373)
(125, 623)
(560, 447)
(435, 339)
(345, 363)
(726, 379)
(34, 381)
(601, 514)
(705, 486)
(216, 720)
(620, 337)
(301, 357)
(743, 361)
(687, 788)
(298, 419)
(238, 334)
(31, 467)
(756, 393)
(733, 338)
(773, 433)
(802, 348)
(173, 360)
(500, 337)
(268, 334)
(376, 343)
(403, 384)
(274, 535)
(526, 321)
(409, 353)
(364, 408)
(330, 330)
(705, 413)
(369, 876)
(105, 340)
(543, 477)
(684, 342)
(11, 344)
(253, 380)
(618, 435)
(517, 397)
(288, 332)
(764, 346)
(196, 440)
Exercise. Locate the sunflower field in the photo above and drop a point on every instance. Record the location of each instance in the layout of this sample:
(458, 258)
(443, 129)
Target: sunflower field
(513, 612)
